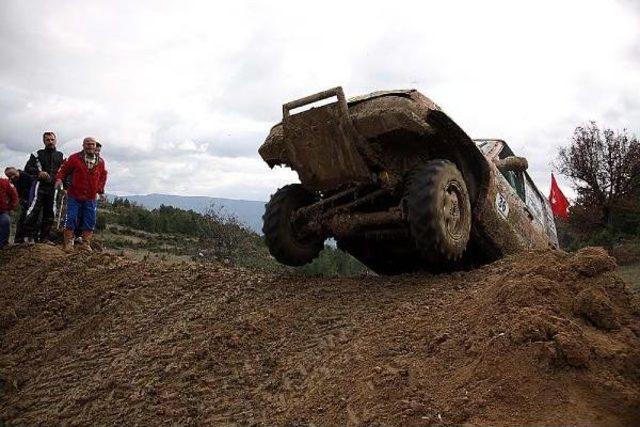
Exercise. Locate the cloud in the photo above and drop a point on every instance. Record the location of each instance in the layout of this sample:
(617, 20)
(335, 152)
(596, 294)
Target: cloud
(182, 94)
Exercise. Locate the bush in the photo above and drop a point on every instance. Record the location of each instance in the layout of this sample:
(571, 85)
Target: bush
(213, 236)
(101, 222)
(332, 262)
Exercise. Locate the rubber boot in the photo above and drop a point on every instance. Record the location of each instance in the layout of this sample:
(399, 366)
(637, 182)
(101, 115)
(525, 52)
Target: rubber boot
(67, 246)
(86, 241)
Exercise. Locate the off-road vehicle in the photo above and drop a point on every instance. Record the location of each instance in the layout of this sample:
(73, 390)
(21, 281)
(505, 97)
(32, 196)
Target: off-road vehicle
(398, 185)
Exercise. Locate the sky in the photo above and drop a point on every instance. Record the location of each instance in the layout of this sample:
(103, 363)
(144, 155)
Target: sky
(182, 94)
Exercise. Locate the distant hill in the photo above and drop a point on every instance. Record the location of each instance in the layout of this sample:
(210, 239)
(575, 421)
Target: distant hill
(249, 212)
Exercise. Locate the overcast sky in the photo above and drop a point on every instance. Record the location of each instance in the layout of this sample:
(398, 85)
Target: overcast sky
(183, 93)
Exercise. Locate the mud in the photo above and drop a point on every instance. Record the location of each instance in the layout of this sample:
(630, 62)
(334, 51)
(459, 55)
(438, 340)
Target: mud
(538, 338)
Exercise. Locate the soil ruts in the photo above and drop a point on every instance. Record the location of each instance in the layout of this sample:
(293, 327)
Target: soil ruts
(538, 338)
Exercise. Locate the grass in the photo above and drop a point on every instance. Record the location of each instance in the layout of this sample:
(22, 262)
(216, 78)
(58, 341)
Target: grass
(631, 274)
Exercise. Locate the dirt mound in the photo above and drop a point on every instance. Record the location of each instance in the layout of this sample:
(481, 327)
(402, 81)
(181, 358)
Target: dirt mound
(544, 338)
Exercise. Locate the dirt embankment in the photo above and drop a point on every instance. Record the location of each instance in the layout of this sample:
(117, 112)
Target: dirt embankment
(544, 338)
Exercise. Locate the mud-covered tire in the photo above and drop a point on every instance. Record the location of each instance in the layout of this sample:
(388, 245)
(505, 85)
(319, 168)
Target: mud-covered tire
(438, 211)
(279, 233)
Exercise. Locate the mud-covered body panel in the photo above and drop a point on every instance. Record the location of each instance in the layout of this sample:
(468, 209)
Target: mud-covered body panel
(322, 146)
(372, 115)
(511, 223)
(383, 112)
(272, 150)
(503, 218)
(403, 128)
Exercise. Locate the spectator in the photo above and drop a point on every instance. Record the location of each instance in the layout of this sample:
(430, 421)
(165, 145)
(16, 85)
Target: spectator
(88, 178)
(24, 184)
(78, 231)
(98, 151)
(8, 202)
(43, 166)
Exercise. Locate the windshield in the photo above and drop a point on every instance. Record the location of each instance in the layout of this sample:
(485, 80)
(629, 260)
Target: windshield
(485, 146)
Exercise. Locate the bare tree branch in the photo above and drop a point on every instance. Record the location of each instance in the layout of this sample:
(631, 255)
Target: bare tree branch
(604, 166)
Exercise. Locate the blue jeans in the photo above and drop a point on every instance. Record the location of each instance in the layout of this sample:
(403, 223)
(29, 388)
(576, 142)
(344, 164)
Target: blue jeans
(5, 225)
(83, 208)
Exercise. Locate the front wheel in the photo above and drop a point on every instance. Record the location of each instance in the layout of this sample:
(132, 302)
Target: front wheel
(439, 211)
(279, 232)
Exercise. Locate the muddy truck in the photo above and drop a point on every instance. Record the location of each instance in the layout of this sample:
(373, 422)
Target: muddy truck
(398, 185)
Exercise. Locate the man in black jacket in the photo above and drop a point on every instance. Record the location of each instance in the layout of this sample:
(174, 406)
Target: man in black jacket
(25, 185)
(43, 166)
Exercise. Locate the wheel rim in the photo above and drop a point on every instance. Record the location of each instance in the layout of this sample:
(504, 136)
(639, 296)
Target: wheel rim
(452, 210)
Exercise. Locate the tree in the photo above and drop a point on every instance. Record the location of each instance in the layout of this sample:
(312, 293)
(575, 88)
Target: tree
(605, 168)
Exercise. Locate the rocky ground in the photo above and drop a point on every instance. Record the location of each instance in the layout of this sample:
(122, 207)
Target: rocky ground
(541, 338)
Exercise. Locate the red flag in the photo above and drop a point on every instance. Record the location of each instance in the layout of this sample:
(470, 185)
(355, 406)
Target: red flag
(559, 203)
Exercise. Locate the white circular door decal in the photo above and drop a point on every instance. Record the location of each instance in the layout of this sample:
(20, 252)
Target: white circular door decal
(501, 205)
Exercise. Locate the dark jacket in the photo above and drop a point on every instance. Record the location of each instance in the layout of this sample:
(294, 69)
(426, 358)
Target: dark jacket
(86, 184)
(45, 160)
(23, 185)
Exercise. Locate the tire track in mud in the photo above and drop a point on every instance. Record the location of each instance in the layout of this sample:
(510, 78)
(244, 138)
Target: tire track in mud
(544, 337)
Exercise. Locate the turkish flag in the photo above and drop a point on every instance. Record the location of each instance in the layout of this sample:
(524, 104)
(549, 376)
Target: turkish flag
(559, 203)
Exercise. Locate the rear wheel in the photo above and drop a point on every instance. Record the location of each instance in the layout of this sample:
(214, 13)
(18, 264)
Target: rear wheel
(439, 211)
(281, 237)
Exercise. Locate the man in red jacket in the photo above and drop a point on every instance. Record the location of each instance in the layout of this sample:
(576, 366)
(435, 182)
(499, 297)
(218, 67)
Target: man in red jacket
(88, 178)
(8, 202)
